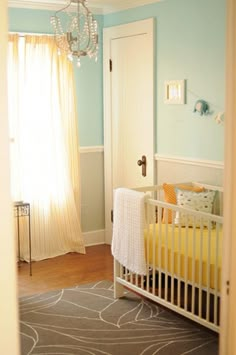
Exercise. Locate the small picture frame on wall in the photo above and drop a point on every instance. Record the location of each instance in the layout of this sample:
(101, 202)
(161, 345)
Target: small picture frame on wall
(174, 92)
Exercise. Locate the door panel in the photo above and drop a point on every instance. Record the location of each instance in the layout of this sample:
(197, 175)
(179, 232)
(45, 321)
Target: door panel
(128, 109)
(132, 111)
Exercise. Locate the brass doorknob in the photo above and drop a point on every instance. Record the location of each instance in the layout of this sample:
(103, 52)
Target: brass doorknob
(140, 162)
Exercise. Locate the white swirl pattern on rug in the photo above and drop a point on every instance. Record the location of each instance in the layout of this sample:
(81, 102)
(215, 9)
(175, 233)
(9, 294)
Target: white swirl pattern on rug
(87, 320)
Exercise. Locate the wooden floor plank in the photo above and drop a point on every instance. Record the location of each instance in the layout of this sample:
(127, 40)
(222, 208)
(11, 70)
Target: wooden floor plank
(66, 271)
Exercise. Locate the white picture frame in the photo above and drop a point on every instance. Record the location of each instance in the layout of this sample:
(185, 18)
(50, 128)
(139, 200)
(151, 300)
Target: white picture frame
(174, 92)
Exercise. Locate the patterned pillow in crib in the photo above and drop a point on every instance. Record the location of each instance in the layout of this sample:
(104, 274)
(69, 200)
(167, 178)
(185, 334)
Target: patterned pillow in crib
(170, 197)
(198, 201)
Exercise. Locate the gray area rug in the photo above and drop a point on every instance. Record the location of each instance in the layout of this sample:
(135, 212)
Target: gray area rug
(87, 320)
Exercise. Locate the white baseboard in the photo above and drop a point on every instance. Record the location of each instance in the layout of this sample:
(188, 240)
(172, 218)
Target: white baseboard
(94, 237)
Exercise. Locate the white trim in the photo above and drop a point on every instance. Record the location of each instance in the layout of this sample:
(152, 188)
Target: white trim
(190, 161)
(94, 237)
(92, 149)
(228, 293)
(9, 324)
(37, 5)
(122, 5)
(52, 5)
(96, 6)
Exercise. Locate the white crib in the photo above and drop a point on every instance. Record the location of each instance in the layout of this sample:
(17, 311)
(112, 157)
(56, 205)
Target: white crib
(183, 261)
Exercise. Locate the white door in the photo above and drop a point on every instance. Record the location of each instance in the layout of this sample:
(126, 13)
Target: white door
(128, 109)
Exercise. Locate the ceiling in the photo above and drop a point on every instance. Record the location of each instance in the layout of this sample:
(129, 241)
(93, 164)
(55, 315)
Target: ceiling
(97, 6)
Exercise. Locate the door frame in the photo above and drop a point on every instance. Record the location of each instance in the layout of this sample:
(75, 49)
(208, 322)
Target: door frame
(9, 323)
(228, 293)
(109, 34)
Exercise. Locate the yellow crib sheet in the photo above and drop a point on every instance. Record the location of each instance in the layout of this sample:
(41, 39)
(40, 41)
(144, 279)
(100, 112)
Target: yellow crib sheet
(183, 249)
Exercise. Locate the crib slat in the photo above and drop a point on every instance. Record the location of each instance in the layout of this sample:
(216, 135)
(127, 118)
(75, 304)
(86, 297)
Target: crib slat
(193, 266)
(159, 251)
(166, 261)
(142, 281)
(154, 253)
(208, 274)
(121, 270)
(136, 279)
(172, 261)
(126, 274)
(216, 283)
(186, 269)
(149, 238)
(179, 265)
(200, 270)
(118, 289)
(131, 277)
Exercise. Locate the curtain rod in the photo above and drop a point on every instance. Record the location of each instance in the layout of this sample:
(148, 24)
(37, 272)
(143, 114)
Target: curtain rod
(22, 34)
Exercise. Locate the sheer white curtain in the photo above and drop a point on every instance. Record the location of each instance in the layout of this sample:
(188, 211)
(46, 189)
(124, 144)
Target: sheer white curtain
(44, 145)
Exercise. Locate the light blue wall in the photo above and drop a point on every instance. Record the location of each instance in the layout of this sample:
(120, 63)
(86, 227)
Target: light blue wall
(89, 90)
(88, 77)
(190, 44)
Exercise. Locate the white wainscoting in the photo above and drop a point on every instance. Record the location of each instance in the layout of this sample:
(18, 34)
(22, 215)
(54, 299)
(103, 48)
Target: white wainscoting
(180, 169)
(168, 169)
(92, 191)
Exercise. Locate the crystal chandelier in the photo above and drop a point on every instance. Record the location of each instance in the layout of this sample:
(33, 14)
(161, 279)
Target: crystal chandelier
(76, 33)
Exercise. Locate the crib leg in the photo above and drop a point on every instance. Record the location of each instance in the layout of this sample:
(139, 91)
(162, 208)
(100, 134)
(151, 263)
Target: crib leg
(118, 288)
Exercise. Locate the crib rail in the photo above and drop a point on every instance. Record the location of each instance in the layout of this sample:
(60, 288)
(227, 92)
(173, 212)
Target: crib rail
(183, 262)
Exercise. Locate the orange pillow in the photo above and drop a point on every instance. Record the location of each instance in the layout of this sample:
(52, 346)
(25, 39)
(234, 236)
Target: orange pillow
(170, 197)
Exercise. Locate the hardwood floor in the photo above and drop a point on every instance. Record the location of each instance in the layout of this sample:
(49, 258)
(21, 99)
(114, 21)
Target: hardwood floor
(66, 270)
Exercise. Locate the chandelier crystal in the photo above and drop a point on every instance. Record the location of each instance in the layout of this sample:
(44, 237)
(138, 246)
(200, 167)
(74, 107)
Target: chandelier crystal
(76, 33)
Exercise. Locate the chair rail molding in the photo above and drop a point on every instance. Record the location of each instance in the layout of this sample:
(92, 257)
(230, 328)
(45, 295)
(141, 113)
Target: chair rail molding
(190, 161)
(92, 149)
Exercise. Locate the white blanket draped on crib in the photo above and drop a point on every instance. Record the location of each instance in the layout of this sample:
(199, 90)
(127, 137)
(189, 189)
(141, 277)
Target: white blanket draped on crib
(128, 229)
